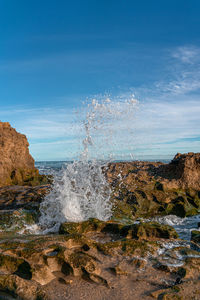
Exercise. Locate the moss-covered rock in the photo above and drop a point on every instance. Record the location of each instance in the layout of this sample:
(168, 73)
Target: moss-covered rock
(195, 236)
(81, 227)
(147, 189)
(149, 230)
(21, 289)
(17, 220)
(9, 264)
(153, 230)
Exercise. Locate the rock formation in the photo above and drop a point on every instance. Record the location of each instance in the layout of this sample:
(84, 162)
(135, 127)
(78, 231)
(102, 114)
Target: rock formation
(183, 171)
(100, 260)
(153, 188)
(16, 163)
(93, 259)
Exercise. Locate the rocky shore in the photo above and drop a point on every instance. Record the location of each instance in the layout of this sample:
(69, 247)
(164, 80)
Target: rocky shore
(126, 257)
(129, 257)
(100, 260)
(147, 189)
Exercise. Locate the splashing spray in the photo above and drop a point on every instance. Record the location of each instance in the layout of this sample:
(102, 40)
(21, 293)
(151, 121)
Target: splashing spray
(81, 190)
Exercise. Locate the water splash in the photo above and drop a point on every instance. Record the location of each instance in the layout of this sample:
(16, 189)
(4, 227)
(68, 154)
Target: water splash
(80, 191)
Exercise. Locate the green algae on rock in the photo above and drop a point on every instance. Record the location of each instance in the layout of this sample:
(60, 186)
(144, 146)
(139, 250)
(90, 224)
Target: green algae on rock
(149, 230)
(94, 251)
(147, 189)
(195, 236)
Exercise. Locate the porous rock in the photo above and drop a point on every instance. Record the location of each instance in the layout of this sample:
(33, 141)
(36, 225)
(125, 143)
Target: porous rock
(146, 189)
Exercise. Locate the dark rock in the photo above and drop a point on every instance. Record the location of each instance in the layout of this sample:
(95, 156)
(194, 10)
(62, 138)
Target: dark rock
(24, 271)
(149, 230)
(153, 230)
(131, 199)
(195, 236)
(159, 186)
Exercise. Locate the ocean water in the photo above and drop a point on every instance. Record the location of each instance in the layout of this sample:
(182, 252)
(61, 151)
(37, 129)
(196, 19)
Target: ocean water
(183, 226)
(49, 167)
(80, 190)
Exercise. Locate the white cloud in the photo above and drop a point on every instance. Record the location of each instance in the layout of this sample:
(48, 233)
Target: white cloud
(168, 115)
(182, 73)
(158, 126)
(186, 54)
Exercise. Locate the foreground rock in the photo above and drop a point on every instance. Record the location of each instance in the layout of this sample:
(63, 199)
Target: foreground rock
(16, 163)
(147, 189)
(98, 260)
(19, 206)
(140, 189)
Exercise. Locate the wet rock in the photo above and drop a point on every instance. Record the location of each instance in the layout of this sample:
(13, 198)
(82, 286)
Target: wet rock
(9, 264)
(19, 206)
(14, 197)
(153, 230)
(149, 230)
(139, 263)
(185, 290)
(101, 253)
(195, 236)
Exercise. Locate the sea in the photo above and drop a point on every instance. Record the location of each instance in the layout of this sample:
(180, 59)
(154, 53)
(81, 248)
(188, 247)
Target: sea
(80, 190)
(183, 226)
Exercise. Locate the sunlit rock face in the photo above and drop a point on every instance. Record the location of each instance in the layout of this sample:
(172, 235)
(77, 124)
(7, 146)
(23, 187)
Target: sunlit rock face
(148, 189)
(183, 171)
(16, 163)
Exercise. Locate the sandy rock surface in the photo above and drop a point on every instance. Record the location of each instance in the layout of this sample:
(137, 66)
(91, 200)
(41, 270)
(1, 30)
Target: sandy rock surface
(99, 260)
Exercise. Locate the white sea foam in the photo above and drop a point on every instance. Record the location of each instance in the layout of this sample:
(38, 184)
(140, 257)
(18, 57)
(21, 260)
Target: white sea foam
(183, 226)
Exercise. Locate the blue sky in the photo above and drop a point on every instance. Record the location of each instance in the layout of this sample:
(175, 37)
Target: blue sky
(56, 54)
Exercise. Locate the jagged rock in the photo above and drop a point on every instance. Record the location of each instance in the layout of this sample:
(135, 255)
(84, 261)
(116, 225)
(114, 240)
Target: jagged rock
(146, 189)
(149, 230)
(16, 163)
(21, 288)
(183, 171)
(19, 206)
(14, 197)
(195, 236)
(85, 253)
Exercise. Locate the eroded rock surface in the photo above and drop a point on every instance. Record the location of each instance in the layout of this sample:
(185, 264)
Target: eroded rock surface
(124, 258)
(98, 260)
(19, 206)
(152, 188)
(16, 163)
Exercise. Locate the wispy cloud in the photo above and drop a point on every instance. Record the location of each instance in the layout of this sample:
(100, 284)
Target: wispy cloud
(157, 127)
(166, 122)
(169, 116)
(47, 129)
(186, 54)
(182, 72)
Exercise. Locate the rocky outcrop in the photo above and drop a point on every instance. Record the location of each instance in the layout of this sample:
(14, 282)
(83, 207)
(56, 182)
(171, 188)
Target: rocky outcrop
(183, 171)
(99, 256)
(16, 163)
(19, 206)
(152, 188)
